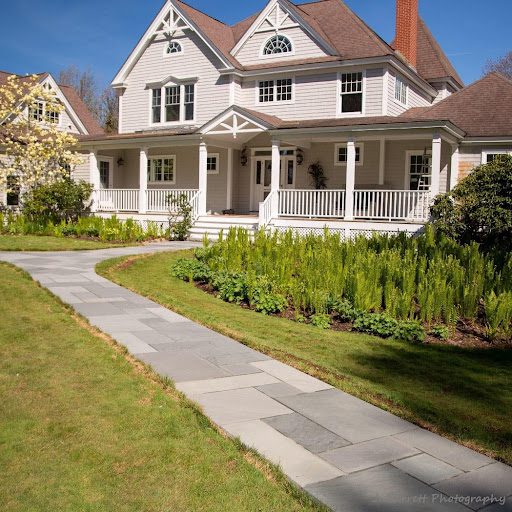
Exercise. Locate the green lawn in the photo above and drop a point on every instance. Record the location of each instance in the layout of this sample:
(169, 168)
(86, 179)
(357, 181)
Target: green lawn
(49, 243)
(84, 428)
(465, 394)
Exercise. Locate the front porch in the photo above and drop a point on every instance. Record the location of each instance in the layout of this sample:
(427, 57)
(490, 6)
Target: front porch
(239, 165)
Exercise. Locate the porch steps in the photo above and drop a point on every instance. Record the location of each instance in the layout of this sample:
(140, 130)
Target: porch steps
(212, 225)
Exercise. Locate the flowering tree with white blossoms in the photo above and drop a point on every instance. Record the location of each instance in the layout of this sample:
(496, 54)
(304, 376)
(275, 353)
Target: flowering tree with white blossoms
(35, 152)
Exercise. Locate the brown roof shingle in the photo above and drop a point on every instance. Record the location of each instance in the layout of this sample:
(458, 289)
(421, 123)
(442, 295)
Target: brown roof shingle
(483, 109)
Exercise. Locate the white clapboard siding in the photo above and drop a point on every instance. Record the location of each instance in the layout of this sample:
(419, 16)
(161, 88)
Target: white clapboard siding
(373, 97)
(415, 98)
(197, 60)
(304, 47)
(82, 171)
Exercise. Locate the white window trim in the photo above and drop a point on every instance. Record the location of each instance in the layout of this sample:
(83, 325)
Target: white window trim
(182, 105)
(257, 101)
(276, 55)
(43, 121)
(217, 156)
(339, 113)
(408, 155)
(110, 161)
(359, 145)
(160, 182)
(395, 99)
(176, 53)
(494, 152)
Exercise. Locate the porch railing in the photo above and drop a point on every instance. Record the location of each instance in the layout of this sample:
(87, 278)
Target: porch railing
(116, 200)
(392, 205)
(194, 203)
(157, 200)
(265, 211)
(312, 203)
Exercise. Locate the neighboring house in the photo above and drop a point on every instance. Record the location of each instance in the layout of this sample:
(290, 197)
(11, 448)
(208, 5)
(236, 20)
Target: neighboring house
(233, 116)
(75, 118)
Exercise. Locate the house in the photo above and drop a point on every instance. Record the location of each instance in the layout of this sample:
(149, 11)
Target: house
(233, 117)
(74, 118)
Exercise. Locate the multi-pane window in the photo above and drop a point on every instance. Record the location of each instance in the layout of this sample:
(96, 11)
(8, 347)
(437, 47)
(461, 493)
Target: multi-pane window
(13, 190)
(341, 155)
(420, 171)
(172, 103)
(275, 90)
(189, 102)
(277, 44)
(156, 105)
(162, 169)
(491, 156)
(400, 91)
(178, 104)
(352, 92)
(174, 47)
(52, 116)
(36, 111)
(212, 163)
(104, 173)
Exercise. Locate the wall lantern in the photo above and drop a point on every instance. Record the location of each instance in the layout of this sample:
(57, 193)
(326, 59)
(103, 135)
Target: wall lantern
(120, 162)
(243, 157)
(299, 155)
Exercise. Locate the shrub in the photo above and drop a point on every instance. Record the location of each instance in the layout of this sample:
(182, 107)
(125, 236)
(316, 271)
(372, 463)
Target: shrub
(378, 324)
(345, 310)
(409, 331)
(498, 314)
(321, 320)
(180, 217)
(479, 208)
(64, 200)
(440, 331)
(268, 303)
(190, 270)
(232, 287)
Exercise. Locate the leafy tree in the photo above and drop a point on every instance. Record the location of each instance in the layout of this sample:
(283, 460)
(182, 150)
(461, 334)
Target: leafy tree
(109, 113)
(64, 200)
(36, 151)
(479, 208)
(502, 65)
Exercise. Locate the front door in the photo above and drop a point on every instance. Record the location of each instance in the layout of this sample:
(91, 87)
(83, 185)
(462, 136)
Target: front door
(262, 174)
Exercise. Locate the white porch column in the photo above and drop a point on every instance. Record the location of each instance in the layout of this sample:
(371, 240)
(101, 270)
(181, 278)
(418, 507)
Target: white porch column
(94, 176)
(229, 180)
(454, 166)
(350, 180)
(382, 161)
(203, 177)
(143, 179)
(275, 177)
(436, 164)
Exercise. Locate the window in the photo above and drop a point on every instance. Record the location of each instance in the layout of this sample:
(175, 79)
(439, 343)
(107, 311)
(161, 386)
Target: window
(172, 104)
(352, 93)
(340, 154)
(36, 111)
(277, 44)
(156, 105)
(419, 167)
(162, 169)
(275, 90)
(173, 47)
(491, 156)
(400, 91)
(178, 104)
(52, 116)
(212, 163)
(104, 173)
(13, 191)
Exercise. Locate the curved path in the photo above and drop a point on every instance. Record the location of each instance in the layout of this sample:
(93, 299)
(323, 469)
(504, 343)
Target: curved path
(347, 453)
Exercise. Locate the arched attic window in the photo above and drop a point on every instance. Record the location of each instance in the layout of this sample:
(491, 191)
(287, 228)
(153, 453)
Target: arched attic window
(277, 44)
(174, 47)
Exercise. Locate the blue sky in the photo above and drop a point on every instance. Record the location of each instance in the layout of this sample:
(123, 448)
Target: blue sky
(43, 35)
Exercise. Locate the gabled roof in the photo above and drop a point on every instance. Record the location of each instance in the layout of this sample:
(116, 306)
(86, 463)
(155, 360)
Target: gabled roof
(79, 108)
(483, 109)
(432, 62)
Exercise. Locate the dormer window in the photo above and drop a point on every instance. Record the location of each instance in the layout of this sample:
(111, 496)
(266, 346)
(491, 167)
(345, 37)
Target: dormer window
(173, 104)
(277, 44)
(174, 47)
(40, 112)
(400, 91)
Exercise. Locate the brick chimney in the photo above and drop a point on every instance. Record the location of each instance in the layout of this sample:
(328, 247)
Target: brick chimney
(406, 38)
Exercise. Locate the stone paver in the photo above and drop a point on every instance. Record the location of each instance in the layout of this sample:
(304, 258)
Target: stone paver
(347, 453)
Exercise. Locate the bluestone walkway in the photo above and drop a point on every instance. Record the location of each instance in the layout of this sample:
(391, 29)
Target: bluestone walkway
(349, 454)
